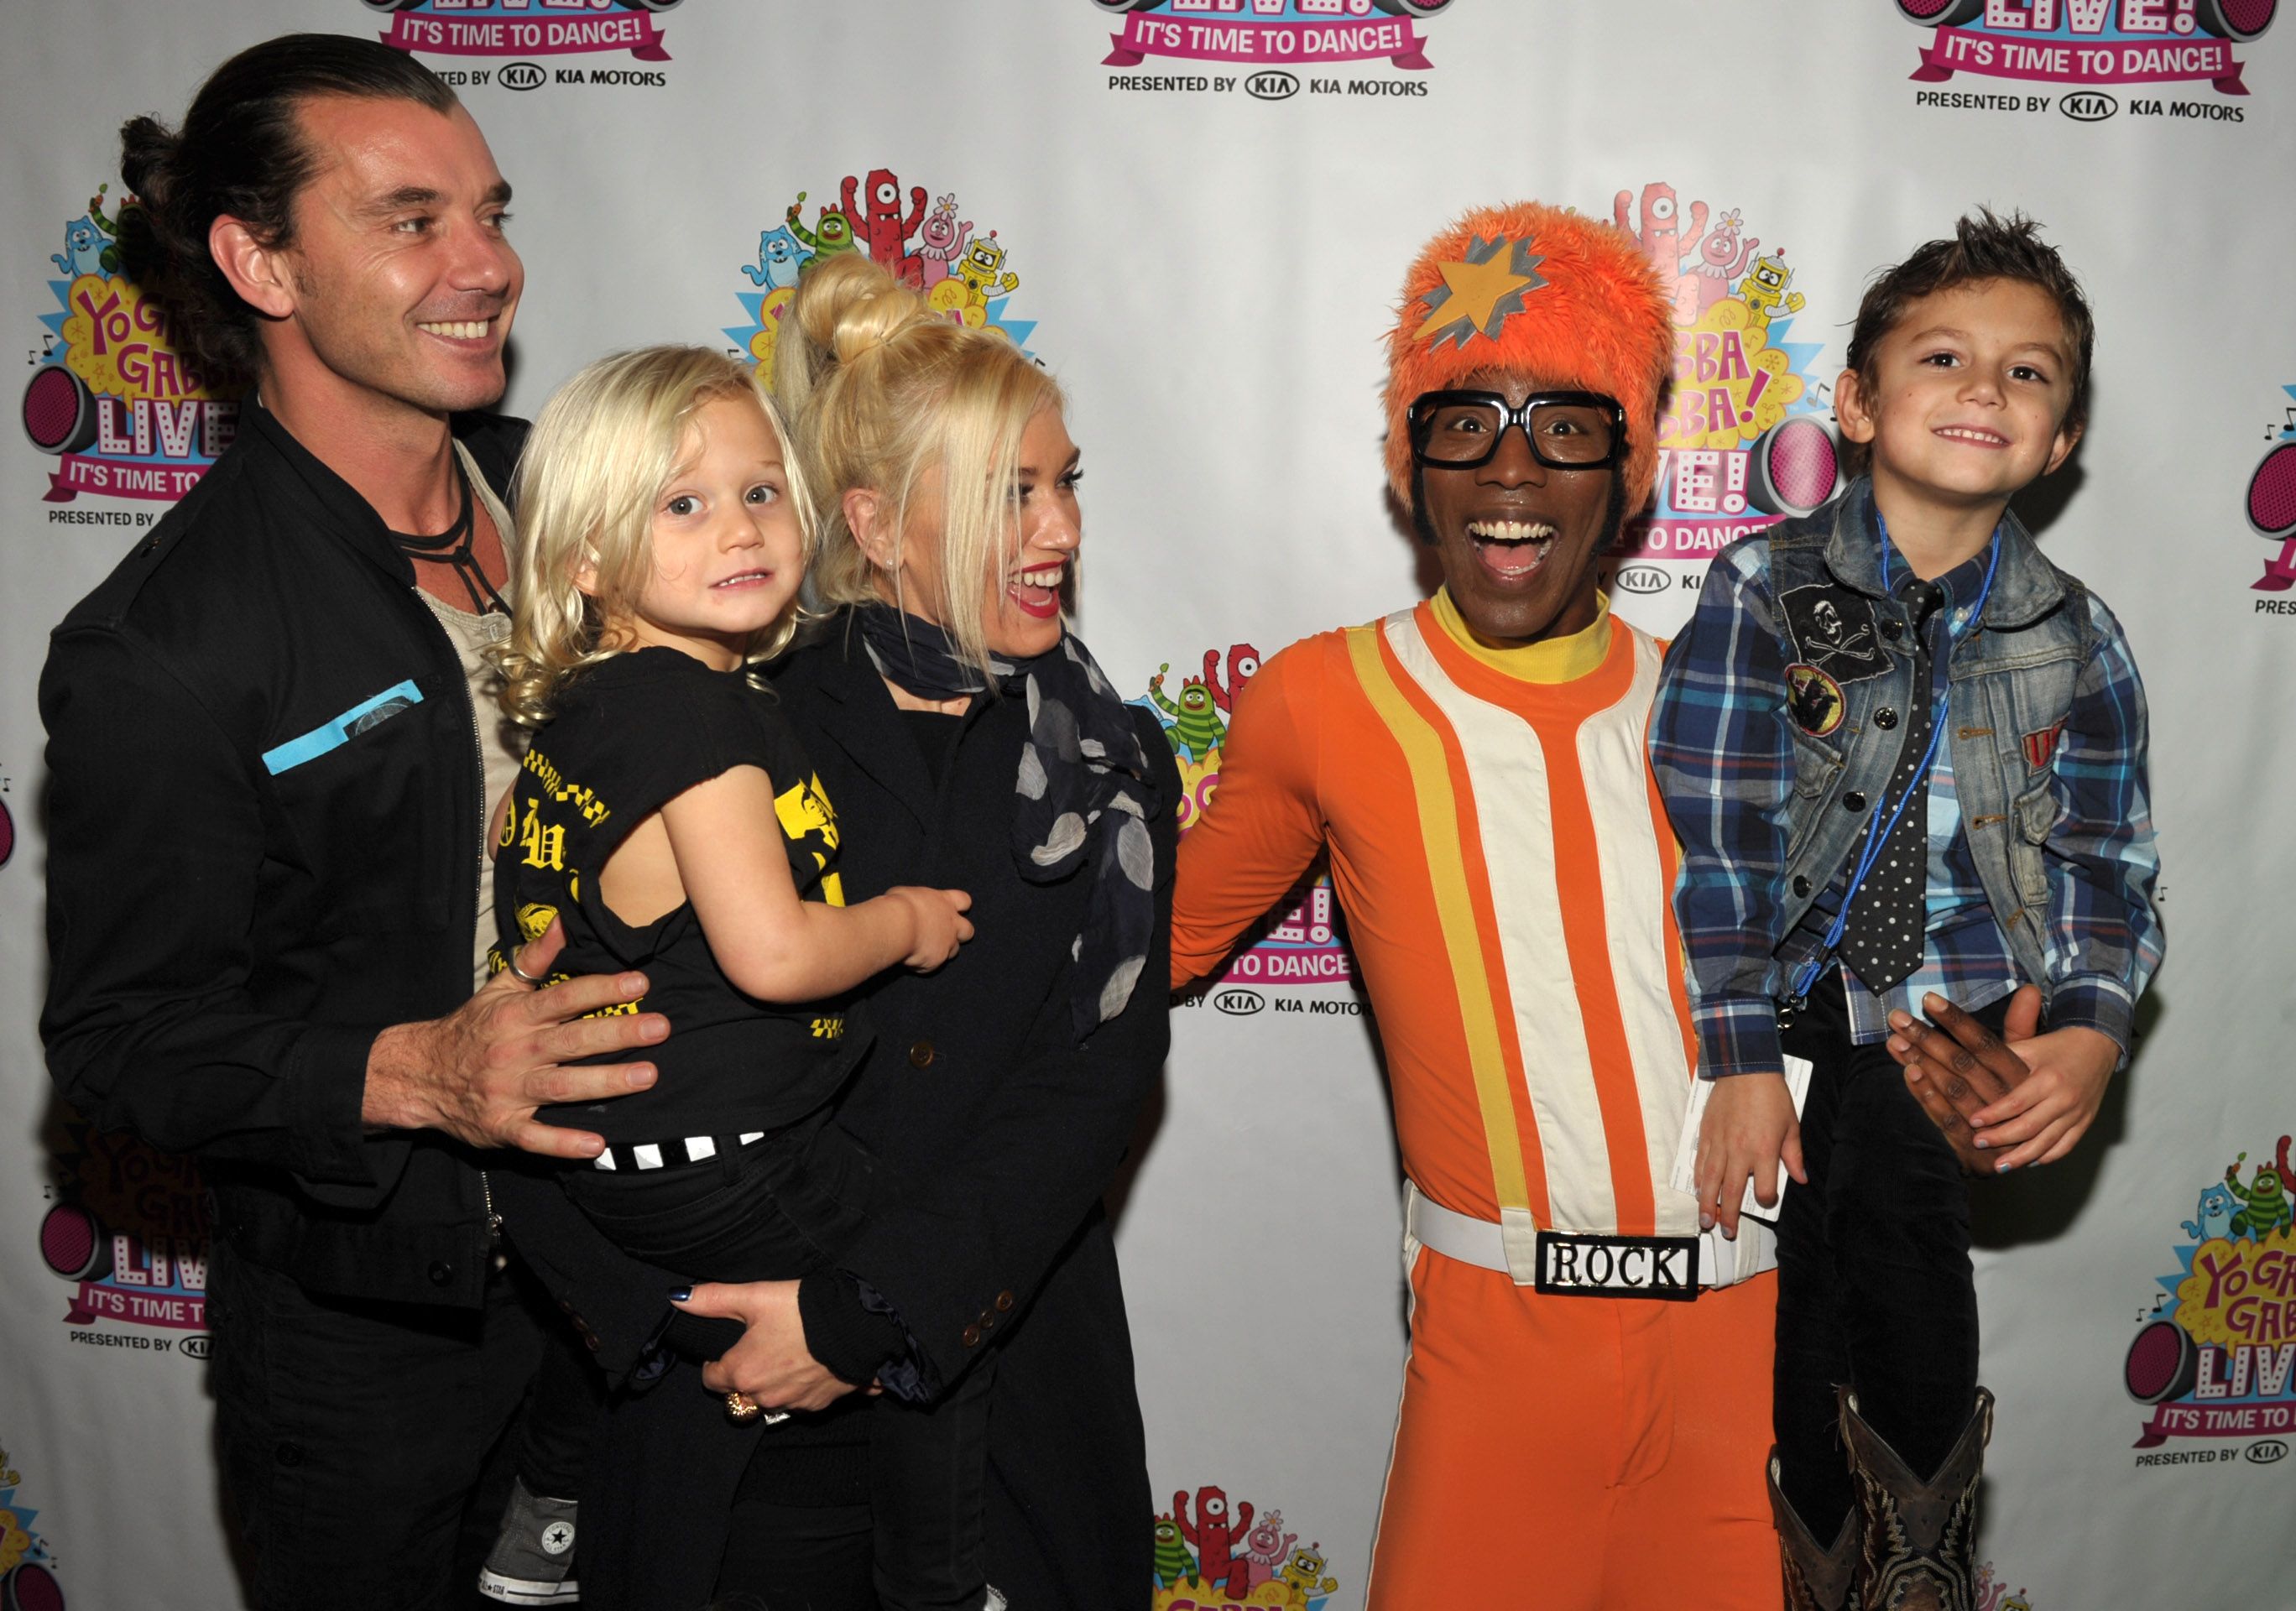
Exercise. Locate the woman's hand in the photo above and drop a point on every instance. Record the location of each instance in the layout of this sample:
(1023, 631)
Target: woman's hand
(939, 925)
(771, 1363)
(1749, 1124)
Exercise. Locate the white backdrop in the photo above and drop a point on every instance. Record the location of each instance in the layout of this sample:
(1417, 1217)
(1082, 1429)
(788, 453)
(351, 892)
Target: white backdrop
(1207, 251)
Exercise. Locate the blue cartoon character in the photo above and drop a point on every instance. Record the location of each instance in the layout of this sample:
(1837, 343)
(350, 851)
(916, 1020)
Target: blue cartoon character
(2216, 1214)
(86, 251)
(780, 256)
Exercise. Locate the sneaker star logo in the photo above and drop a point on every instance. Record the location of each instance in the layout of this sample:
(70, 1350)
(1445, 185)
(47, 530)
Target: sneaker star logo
(1478, 295)
(558, 1538)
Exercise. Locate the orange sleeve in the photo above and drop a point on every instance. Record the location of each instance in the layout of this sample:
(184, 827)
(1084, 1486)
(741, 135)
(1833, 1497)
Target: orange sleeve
(1264, 823)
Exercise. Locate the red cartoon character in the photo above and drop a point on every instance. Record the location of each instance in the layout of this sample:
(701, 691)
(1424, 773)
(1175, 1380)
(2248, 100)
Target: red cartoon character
(1242, 660)
(1660, 236)
(880, 226)
(1214, 1537)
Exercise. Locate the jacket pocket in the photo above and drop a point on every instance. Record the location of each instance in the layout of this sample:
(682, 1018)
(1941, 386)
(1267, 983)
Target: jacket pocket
(2033, 815)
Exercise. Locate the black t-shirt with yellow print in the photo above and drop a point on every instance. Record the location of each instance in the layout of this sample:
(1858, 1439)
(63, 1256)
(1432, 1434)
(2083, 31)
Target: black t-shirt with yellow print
(631, 734)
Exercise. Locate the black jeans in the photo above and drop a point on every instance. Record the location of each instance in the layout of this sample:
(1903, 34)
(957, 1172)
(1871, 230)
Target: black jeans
(354, 1435)
(768, 1211)
(914, 1541)
(1874, 1285)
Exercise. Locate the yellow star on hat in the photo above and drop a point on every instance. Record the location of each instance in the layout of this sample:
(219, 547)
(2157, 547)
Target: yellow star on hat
(1478, 295)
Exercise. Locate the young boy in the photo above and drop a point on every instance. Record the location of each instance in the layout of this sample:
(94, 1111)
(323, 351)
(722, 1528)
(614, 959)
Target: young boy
(1906, 755)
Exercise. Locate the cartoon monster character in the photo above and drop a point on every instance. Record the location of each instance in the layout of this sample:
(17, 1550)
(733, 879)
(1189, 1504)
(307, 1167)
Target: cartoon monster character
(1303, 1575)
(1660, 236)
(944, 239)
(1214, 1536)
(978, 269)
(108, 260)
(2264, 1203)
(1242, 661)
(85, 249)
(1196, 727)
(780, 259)
(2216, 1215)
(1264, 1549)
(883, 231)
(835, 234)
(1721, 259)
(2280, 1166)
(1764, 292)
(1172, 1561)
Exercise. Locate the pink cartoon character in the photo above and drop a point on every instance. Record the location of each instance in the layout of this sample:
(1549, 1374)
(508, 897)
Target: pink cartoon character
(1660, 236)
(943, 239)
(1722, 257)
(1265, 1548)
(1214, 1536)
(880, 226)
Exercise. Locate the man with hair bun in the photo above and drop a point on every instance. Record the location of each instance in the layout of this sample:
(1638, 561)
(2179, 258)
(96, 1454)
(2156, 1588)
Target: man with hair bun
(268, 786)
(1588, 1376)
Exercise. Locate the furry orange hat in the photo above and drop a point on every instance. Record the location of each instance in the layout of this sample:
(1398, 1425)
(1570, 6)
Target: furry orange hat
(1568, 301)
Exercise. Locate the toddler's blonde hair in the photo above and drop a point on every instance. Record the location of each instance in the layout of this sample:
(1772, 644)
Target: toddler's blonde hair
(600, 454)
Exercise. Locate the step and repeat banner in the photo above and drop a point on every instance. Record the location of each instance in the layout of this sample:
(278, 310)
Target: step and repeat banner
(1197, 213)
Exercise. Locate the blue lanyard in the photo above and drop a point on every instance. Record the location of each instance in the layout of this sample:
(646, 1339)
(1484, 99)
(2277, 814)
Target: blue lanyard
(1878, 832)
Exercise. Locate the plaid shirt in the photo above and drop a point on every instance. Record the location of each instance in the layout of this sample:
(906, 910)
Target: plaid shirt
(1722, 744)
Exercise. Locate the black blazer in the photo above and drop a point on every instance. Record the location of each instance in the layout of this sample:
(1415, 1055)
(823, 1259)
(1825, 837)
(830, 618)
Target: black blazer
(998, 1134)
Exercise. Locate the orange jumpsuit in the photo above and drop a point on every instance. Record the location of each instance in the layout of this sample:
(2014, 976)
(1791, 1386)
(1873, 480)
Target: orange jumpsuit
(1504, 866)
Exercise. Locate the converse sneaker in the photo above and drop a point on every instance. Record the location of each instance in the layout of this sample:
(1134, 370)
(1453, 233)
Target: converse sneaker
(533, 1553)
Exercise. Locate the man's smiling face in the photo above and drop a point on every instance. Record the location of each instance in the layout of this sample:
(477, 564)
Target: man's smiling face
(1518, 540)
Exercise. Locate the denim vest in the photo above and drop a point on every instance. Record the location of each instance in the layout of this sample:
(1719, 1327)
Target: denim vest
(1851, 681)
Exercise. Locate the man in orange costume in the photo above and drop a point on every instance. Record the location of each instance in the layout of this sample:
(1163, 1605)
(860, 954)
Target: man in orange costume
(1587, 1391)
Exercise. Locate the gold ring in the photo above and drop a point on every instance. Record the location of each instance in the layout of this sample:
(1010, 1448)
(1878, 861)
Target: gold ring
(741, 1409)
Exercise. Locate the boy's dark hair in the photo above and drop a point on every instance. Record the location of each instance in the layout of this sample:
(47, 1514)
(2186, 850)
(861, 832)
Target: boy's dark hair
(241, 152)
(1984, 246)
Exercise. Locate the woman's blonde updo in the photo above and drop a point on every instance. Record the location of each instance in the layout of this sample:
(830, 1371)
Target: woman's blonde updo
(881, 391)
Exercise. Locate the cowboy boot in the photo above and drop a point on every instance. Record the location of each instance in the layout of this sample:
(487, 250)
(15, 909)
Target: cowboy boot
(1918, 1534)
(1816, 1580)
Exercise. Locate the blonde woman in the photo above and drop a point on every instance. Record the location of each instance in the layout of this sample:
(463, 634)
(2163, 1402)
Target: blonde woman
(667, 820)
(968, 738)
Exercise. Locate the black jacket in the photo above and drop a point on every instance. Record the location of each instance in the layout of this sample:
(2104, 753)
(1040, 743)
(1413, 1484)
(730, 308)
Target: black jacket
(237, 906)
(1000, 1135)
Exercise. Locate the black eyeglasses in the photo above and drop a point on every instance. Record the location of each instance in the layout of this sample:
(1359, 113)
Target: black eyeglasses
(1566, 429)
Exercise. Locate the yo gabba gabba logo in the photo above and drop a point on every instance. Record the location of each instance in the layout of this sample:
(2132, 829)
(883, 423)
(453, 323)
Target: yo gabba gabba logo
(528, 27)
(2215, 1354)
(1281, 37)
(120, 411)
(2271, 509)
(2084, 43)
(129, 1230)
(1305, 944)
(1745, 439)
(1212, 1556)
(923, 239)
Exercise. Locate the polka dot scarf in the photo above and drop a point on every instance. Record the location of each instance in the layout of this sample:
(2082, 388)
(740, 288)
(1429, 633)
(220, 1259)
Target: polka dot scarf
(1082, 795)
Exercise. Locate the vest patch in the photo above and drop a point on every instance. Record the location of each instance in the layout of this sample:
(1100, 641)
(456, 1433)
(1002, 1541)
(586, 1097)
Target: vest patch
(1814, 698)
(1834, 631)
(2041, 747)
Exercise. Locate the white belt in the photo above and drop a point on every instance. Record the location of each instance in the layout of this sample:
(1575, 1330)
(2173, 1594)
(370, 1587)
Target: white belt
(1721, 1261)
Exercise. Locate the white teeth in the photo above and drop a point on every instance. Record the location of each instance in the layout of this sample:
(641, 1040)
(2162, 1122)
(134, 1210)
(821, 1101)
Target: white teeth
(1041, 575)
(459, 330)
(1510, 531)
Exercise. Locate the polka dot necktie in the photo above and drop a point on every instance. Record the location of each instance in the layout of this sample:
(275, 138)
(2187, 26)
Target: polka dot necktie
(1882, 940)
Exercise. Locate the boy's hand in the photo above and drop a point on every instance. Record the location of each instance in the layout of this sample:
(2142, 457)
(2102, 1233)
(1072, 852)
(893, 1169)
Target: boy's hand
(1749, 1125)
(939, 925)
(1960, 1070)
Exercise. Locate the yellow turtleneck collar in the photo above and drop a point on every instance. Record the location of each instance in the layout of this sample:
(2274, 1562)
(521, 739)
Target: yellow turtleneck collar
(1550, 660)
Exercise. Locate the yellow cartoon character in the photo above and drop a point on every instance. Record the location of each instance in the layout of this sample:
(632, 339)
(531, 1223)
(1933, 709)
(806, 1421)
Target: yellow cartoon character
(952, 298)
(1764, 290)
(1303, 1575)
(980, 266)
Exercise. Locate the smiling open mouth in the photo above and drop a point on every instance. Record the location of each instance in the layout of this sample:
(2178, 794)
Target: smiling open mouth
(459, 330)
(747, 578)
(1512, 551)
(1973, 435)
(1036, 589)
